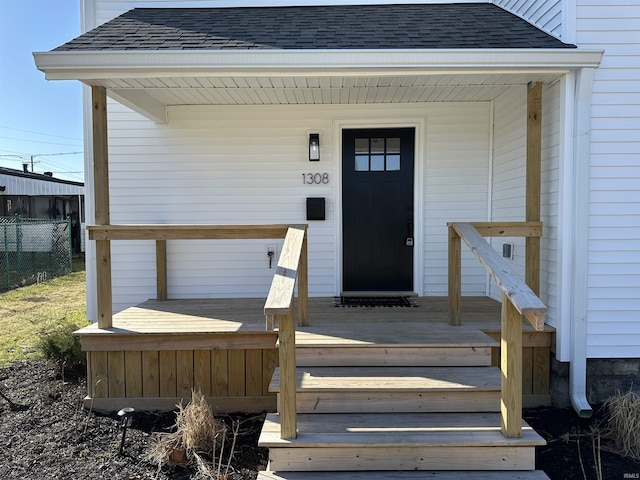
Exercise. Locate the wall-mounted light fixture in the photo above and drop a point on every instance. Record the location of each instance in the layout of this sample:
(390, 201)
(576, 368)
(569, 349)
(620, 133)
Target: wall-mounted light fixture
(314, 147)
(3, 188)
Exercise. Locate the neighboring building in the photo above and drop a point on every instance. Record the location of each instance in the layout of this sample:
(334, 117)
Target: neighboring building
(42, 196)
(212, 112)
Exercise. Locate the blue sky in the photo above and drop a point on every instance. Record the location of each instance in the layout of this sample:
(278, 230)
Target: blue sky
(38, 117)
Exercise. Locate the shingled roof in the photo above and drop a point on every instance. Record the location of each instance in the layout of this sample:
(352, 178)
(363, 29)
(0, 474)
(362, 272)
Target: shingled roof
(370, 27)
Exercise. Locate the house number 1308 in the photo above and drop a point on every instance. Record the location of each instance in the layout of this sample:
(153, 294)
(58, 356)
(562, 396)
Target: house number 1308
(315, 178)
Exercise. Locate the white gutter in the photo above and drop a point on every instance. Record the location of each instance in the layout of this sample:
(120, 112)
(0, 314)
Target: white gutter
(94, 65)
(579, 260)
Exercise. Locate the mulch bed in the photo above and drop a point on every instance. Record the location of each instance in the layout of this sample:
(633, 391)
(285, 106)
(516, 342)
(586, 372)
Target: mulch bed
(47, 434)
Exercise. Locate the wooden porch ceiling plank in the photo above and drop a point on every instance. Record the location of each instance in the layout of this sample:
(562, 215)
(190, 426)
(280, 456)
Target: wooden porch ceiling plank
(187, 232)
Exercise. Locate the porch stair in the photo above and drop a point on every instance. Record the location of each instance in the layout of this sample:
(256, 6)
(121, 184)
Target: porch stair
(381, 409)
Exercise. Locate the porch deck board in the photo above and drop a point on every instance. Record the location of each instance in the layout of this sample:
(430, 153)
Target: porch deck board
(390, 325)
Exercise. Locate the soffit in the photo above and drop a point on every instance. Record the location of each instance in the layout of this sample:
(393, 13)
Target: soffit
(283, 90)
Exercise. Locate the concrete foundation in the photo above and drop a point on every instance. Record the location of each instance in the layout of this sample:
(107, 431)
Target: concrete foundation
(605, 378)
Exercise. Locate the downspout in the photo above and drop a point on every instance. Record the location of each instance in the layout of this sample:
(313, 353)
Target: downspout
(581, 163)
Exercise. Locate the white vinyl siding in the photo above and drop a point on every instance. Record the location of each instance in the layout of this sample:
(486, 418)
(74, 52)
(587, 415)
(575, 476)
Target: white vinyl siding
(544, 14)
(456, 189)
(549, 198)
(509, 184)
(244, 165)
(509, 172)
(613, 327)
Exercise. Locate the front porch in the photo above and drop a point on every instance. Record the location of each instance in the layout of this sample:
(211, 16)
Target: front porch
(157, 352)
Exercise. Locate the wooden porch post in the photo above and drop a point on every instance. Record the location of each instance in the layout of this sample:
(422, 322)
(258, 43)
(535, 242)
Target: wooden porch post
(455, 276)
(161, 270)
(287, 353)
(534, 156)
(101, 204)
(511, 367)
(303, 285)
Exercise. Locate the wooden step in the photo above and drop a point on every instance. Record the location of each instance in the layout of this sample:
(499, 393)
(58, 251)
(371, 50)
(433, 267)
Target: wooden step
(403, 441)
(400, 475)
(416, 345)
(395, 389)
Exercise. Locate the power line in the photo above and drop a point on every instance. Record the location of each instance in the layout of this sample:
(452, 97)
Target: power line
(39, 133)
(45, 143)
(55, 154)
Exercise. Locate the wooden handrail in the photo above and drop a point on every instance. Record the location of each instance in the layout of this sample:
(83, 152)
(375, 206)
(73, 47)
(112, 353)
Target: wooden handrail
(104, 234)
(279, 304)
(517, 300)
(186, 232)
(524, 300)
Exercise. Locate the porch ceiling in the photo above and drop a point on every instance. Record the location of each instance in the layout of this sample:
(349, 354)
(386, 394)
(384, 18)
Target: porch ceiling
(150, 82)
(330, 90)
(150, 96)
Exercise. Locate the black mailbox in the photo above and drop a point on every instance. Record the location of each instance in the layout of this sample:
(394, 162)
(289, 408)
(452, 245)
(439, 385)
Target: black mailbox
(315, 208)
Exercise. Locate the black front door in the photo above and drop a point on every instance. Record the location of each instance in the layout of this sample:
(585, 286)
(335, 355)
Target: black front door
(377, 210)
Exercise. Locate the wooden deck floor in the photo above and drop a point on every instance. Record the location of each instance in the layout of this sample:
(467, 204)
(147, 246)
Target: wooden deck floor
(219, 316)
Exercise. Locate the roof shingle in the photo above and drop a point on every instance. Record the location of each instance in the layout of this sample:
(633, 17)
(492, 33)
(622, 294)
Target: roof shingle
(414, 26)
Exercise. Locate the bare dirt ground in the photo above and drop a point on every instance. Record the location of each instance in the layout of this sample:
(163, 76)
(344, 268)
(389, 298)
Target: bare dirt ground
(46, 433)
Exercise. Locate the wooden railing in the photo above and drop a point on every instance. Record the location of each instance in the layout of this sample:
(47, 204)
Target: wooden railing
(279, 305)
(517, 300)
(104, 234)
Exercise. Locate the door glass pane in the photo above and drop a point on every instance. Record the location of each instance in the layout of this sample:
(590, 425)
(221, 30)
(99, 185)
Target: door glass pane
(393, 163)
(362, 145)
(377, 145)
(362, 163)
(393, 145)
(377, 163)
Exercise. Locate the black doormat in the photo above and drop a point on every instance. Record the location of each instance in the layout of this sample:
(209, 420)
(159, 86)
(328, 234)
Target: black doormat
(374, 302)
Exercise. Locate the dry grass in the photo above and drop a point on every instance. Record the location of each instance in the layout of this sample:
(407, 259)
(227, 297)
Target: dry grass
(27, 313)
(623, 424)
(198, 439)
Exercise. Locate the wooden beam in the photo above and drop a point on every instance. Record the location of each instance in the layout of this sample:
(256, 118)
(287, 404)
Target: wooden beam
(303, 285)
(161, 270)
(280, 298)
(100, 156)
(508, 229)
(287, 357)
(511, 368)
(455, 276)
(119, 339)
(523, 298)
(533, 181)
(101, 204)
(103, 284)
(188, 232)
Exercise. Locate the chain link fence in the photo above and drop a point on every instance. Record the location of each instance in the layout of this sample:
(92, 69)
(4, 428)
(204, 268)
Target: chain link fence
(33, 251)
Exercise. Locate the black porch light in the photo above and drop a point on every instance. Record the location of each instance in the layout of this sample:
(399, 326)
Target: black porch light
(314, 147)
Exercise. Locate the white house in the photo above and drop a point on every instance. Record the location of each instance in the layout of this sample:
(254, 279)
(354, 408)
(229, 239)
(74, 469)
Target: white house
(214, 104)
